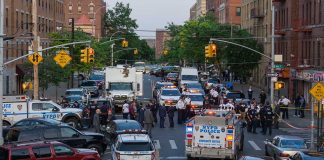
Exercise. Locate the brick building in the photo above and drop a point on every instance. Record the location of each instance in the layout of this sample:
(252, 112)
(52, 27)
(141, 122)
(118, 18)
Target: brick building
(256, 18)
(161, 37)
(18, 24)
(300, 27)
(225, 11)
(94, 10)
(198, 9)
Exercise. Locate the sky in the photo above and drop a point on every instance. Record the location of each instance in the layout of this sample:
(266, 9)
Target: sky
(156, 14)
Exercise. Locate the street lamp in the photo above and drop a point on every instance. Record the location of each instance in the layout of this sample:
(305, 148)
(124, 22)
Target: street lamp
(112, 47)
(94, 18)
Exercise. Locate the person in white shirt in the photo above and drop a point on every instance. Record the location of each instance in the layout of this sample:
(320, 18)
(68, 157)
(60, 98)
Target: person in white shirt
(283, 103)
(125, 110)
(188, 114)
(181, 107)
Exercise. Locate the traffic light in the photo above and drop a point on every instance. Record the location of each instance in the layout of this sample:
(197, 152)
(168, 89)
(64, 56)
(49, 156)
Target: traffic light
(207, 51)
(279, 85)
(84, 57)
(124, 43)
(91, 55)
(135, 51)
(165, 52)
(213, 49)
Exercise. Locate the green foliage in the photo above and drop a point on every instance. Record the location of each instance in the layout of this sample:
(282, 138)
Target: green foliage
(189, 40)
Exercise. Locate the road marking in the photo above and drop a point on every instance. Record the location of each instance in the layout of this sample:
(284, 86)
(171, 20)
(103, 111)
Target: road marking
(157, 144)
(255, 146)
(176, 157)
(173, 144)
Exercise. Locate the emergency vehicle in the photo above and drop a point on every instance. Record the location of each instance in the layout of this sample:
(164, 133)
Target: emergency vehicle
(16, 108)
(214, 134)
(134, 145)
(196, 101)
(169, 96)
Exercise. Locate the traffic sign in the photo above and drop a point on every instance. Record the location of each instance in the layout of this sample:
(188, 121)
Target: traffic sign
(35, 58)
(62, 58)
(273, 74)
(279, 66)
(317, 91)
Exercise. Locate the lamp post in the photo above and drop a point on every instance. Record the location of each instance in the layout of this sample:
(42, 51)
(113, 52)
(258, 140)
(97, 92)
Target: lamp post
(94, 18)
(112, 48)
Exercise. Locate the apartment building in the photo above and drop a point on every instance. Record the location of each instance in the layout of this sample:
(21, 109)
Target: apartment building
(88, 15)
(162, 36)
(18, 24)
(198, 9)
(225, 11)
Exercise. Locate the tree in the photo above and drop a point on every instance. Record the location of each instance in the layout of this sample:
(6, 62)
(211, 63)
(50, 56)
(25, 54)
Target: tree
(188, 41)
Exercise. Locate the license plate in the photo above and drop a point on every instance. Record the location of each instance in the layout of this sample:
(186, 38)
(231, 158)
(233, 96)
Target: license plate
(136, 157)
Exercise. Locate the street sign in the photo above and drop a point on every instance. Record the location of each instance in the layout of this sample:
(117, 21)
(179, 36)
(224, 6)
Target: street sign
(279, 66)
(317, 91)
(62, 58)
(272, 74)
(35, 58)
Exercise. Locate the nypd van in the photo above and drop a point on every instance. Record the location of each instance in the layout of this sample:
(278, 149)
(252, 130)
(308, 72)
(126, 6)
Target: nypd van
(16, 108)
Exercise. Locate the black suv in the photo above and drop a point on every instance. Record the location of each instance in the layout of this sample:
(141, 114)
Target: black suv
(64, 134)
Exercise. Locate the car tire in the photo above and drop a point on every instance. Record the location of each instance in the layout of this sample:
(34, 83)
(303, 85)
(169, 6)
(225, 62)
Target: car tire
(96, 148)
(74, 122)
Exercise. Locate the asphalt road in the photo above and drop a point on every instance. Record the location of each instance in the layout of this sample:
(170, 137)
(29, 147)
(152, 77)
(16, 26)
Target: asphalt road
(170, 141)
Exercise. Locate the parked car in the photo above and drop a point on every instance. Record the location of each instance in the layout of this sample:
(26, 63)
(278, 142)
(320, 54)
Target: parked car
(64, 134)
(284, 146)
(234, 96)
(91, 86)
(49, 150)
(172, 77)
(99, 78)
(76, 91)
(119, 126)
(307, 155)
(38, 121)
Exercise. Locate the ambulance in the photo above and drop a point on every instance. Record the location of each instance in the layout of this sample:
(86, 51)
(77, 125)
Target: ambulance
(16, 108)
(214, 134)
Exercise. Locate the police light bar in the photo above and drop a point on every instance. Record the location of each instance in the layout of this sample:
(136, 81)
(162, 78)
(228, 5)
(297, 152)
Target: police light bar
(129, 131)
(194, 91)
(169, 87)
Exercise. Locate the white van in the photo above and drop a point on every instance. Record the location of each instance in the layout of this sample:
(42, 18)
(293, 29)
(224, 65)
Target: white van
(188, 75)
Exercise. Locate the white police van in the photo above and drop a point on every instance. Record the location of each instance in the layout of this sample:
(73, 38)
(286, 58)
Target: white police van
(16, 108)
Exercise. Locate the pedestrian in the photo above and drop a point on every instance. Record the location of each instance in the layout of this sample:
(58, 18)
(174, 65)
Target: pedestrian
(141, 114)
(162, 115)
(297, 106)
(154, 109)
(125, 110)
(284, 102)
(302, 103)
(132, 110)
(104, 113)
(148, 120)
(96, 121)
(181, 110)
(253, 119)
(170, 111)
(268, 119)
(93, 108)
(110, 117)
(277, 111)
(262, 97)
(189, 112)
(250, 93)
(263, 119)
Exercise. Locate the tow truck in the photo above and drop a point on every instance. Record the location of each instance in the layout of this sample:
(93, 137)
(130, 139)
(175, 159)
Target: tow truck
(214, 134)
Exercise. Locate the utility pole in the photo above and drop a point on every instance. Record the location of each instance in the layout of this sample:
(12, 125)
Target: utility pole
(272, 53)
(72, 49)
(1, 67)
(35, 47)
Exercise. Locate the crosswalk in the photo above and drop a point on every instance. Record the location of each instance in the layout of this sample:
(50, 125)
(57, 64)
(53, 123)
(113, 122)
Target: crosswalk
(305, 134)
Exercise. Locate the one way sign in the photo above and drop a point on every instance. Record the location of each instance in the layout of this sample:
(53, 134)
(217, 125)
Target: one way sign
(35, 58)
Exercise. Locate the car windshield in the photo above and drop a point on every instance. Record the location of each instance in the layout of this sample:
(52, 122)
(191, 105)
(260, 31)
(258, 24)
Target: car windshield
(300, 144)
(193, 85)
(4, 154)
(196, 97)
(120, 86)
(68, 93)
(128, 126)
(96, 77)
(89, 83)
(234, 95)
(189, 78)
(172, 75)
(135, 146)
(170, 93)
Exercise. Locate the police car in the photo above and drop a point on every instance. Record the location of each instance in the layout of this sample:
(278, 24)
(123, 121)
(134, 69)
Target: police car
(196, 101)
(169, 96)
(134, 145)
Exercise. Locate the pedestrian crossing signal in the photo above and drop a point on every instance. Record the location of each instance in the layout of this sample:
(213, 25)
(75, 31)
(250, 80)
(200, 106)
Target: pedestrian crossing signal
(279, 85)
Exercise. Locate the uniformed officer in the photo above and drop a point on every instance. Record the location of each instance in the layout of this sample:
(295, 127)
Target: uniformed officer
(268, 119)
(253, 119)
(162, 115)
(170, 111)
(181, 107)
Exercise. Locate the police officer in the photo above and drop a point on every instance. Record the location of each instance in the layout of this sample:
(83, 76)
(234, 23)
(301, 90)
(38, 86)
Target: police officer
(253, 119)
(181, 109)
(162, 115)
(268, 119)
(263, 118)
(170, 111)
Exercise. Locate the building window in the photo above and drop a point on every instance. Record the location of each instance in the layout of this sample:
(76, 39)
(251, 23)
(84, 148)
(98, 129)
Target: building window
(27, 21)
(7, 19)
(238, 11)
(91, 9)
(70, 8)
(17, 22)
(22, 21)
(79, 8)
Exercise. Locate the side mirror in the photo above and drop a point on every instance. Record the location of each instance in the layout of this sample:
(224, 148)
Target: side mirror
(55, 109)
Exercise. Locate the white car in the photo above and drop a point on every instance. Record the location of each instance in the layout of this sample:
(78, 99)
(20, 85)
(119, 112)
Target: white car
(134, 146)
(169, 96)
(197, 101)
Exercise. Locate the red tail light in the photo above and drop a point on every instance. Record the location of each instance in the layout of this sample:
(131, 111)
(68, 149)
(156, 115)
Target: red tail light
(189, 135)
(229, 144)
(189, 142)
(284, 155)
